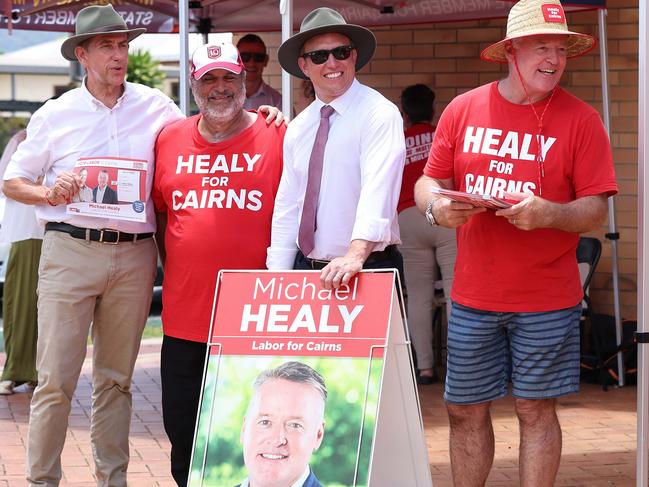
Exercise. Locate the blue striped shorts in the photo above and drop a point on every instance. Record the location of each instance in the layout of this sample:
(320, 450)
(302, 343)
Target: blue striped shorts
(537, 352)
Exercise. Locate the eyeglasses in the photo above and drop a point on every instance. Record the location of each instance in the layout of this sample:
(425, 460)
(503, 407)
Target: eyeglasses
(321, 55)
(258, 57)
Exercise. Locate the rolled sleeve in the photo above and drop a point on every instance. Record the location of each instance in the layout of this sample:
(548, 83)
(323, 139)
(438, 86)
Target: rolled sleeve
(383, 152)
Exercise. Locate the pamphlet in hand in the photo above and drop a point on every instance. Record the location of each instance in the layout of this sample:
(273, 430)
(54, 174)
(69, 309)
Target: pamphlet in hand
(111, 187)
(486, 200)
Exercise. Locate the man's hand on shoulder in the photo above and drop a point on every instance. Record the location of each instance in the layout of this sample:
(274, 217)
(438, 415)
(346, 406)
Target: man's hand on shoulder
(273, 113)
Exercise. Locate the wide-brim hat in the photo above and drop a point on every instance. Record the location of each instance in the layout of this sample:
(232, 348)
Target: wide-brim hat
(538, 17)
(325, 20)
(96, 20)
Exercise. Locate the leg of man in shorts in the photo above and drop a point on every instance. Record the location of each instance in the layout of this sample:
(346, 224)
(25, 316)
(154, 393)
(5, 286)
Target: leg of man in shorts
(539, 353)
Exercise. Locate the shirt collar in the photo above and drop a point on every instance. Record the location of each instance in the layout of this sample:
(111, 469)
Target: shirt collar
(297, 483)
(261, 91)
(94, 103)
(344, 101)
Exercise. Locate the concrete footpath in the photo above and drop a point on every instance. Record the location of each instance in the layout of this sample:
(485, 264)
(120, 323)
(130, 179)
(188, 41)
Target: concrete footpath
(599, 431)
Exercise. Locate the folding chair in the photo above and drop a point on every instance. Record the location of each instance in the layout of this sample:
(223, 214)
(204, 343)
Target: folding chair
(589, 251)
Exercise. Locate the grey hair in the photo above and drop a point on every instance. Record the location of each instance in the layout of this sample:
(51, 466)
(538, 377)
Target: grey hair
(294, 372)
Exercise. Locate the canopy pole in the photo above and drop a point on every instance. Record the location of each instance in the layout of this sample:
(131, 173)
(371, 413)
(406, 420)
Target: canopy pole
(642, 462)
(183, 25)
(612, 234)
(286, 10)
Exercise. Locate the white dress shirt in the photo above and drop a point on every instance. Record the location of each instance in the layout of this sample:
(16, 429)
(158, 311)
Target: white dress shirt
(265, 95)
(361, 177)
(78, 125)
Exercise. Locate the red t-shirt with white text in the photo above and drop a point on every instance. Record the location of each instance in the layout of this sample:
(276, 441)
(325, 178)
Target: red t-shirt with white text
(488, 144)
(419, 137)
(219, 202)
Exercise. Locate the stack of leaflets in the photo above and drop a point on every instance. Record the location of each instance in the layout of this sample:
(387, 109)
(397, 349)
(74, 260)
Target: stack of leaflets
(486, 200)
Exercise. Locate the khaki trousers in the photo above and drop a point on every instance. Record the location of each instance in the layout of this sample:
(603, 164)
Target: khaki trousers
(423, 249)
(82, 282)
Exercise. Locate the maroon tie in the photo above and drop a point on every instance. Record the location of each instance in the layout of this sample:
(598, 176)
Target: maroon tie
(306, 235)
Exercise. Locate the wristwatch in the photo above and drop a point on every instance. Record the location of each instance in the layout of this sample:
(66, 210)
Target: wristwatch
(429, 214)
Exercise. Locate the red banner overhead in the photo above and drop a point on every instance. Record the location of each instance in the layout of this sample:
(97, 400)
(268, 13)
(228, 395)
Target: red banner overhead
(61, 15)
(261, 15)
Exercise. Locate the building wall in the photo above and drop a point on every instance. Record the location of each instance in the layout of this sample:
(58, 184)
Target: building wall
(31, 87)
(446, 57)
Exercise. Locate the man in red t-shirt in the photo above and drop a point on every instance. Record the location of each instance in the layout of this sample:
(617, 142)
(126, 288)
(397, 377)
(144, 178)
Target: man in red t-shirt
(215, 183)
(516, 294)
(424, 249)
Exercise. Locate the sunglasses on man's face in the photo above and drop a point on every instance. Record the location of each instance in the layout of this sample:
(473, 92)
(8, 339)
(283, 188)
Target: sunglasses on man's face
(258, 57)
(321, 55)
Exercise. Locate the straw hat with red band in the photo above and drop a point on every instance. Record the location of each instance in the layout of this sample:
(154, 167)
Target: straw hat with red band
(538, 17)
(216, 56)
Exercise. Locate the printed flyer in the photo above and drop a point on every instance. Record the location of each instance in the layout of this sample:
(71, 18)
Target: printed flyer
(292, 380)
(111, 187)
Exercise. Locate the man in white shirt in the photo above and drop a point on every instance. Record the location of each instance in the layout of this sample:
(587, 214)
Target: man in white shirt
(255, 58)
(92, 269)
(336, 205)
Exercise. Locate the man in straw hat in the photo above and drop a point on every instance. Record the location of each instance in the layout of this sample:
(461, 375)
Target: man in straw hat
(343, 159)
(92, 269)
(207, 223)
(517, 293)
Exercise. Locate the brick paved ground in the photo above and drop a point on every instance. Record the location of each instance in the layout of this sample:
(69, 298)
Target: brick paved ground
(599, 435)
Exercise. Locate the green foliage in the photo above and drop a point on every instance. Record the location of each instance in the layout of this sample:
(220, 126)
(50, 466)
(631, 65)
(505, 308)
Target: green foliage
(8, 127)
(223, 407)
(143, 69)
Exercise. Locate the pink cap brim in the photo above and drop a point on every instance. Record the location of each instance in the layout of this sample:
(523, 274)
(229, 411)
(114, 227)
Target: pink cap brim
(233, 68)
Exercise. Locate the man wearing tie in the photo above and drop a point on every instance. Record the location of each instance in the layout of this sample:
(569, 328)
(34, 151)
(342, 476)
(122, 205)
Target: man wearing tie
(343, 159)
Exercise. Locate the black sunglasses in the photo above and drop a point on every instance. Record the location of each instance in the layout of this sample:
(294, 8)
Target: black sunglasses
(257, 56)
(321, 55)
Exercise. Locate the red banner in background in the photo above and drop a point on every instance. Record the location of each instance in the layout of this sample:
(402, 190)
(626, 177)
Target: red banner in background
(61, 16)
(290, 313)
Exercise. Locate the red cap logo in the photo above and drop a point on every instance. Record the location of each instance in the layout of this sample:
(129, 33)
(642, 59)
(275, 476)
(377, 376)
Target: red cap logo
(553, 13)
(214, 52)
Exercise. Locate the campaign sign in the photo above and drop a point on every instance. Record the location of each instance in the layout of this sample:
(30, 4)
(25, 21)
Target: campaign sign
(110, 187)
(294, 381)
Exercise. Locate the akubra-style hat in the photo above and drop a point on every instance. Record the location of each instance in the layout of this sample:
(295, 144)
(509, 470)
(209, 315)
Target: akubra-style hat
(325, 20)
(538, 17)
(93, 21)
